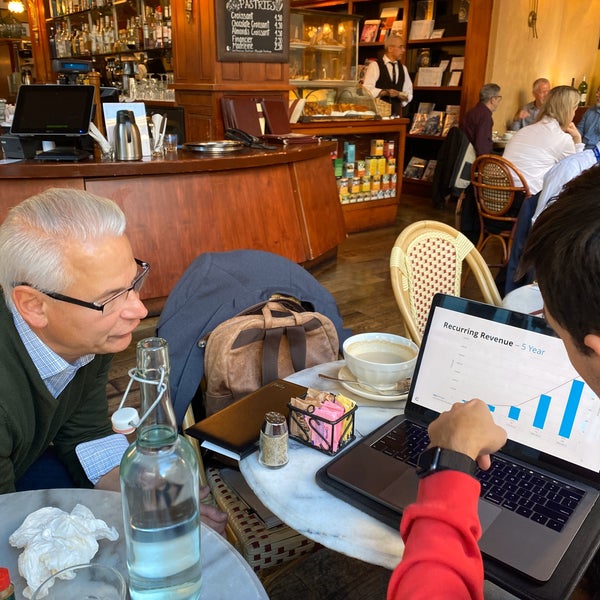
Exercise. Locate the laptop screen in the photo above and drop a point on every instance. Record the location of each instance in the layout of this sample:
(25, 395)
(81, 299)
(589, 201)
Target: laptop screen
(520, 368)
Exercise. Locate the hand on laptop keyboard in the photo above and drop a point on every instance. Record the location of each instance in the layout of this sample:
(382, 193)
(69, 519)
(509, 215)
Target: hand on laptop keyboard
(468, 428)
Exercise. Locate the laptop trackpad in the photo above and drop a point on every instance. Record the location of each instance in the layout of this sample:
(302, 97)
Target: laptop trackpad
(487, 514)
(402, 491)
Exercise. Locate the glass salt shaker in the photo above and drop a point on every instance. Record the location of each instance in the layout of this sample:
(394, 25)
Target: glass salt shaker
(273, 441)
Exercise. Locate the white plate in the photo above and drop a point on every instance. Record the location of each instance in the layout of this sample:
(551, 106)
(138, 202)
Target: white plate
(356, 388)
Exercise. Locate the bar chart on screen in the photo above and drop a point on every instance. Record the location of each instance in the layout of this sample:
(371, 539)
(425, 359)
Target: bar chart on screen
(526, 379)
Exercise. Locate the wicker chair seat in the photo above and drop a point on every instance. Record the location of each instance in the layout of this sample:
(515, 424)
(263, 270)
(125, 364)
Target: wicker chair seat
(262, 548)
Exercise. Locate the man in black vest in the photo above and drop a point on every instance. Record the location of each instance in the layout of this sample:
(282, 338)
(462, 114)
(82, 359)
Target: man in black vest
(387, 78)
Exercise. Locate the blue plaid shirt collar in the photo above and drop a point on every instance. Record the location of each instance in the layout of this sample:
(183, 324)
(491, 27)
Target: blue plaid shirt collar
(55, 371)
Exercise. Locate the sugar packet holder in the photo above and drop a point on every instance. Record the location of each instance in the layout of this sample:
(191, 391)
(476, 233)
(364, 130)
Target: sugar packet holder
(318, 426)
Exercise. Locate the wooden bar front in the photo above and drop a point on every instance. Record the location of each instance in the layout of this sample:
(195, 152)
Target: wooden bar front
(283, 201)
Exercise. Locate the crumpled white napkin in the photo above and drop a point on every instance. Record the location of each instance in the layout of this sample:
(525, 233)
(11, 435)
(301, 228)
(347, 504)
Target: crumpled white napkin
(54, 539)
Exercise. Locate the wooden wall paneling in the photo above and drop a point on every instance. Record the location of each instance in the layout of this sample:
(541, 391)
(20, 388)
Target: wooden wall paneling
(257, 74)
(202, 115)
(478, 35)
(17, 190)
(322, 219)
(6, 68)
(40, 46)
(278, 72)
(215, 212)
(194, 43)
(231, 71)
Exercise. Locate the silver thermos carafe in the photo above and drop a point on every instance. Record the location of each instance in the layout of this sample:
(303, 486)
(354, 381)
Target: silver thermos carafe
(128, 143)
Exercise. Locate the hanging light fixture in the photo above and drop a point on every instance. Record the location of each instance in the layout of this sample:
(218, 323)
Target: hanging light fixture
(16, 6)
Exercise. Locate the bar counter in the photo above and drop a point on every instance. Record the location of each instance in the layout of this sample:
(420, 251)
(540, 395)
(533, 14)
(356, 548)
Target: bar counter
(283, 201)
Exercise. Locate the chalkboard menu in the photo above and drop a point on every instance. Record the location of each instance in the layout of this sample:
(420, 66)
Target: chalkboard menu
(253, 30)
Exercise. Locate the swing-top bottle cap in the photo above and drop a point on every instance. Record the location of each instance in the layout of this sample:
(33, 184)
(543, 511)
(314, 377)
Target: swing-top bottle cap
(125, 420)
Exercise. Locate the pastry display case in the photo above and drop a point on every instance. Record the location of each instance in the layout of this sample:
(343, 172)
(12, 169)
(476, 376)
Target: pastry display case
(333, 105)
(345, 102)
(323, 51)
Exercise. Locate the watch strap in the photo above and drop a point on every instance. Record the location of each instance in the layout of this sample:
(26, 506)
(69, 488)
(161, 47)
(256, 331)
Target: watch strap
(438, 459)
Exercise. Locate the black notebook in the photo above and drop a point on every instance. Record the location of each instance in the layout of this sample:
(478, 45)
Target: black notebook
(235, 430)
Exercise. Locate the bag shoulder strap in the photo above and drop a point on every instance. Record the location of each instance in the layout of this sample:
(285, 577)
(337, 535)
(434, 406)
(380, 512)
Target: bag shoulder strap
(288, 303)
(296, 335)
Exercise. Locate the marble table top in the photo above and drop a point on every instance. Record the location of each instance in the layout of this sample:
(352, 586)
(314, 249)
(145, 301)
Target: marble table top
(292, 493)
(225, 573)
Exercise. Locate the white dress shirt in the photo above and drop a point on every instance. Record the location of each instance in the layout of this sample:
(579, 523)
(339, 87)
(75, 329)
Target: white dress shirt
(562, 172)
(537, 148)
(372, 75)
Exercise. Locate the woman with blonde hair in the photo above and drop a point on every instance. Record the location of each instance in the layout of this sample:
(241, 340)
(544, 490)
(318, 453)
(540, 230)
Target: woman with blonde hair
(553, 136)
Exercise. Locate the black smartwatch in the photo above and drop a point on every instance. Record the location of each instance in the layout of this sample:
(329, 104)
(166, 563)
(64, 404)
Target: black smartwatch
(437, 459)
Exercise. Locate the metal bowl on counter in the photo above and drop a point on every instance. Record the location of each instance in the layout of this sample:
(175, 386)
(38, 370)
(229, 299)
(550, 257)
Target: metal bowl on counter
(216, 147)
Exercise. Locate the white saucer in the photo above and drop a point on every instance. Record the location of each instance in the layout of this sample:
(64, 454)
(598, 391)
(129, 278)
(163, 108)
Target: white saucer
(356, 388)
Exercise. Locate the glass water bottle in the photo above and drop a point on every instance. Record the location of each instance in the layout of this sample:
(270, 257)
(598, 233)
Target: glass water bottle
(160, 491)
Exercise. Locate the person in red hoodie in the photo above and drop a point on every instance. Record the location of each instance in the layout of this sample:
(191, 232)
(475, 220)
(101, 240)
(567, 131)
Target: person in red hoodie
(441, 529)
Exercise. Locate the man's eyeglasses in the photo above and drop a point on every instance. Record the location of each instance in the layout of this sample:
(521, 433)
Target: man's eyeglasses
(111, 303)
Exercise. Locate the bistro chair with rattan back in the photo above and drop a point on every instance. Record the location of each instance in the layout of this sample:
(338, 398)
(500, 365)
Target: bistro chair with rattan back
(429, 257)
(498, 197)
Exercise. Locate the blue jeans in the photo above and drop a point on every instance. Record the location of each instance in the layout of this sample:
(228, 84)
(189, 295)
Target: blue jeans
(518, 245)
(46, 472)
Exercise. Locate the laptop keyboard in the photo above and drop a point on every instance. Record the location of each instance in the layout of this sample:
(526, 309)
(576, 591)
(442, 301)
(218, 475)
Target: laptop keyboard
(533, 495)
(405, 442)
(517, 488)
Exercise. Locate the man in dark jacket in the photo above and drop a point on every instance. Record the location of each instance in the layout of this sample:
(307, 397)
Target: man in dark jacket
(478, 123)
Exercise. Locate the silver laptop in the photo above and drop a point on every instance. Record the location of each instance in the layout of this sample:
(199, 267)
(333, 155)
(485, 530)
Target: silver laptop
(544, 482)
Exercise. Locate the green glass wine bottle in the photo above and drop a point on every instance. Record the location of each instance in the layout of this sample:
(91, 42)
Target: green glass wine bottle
(583, 89)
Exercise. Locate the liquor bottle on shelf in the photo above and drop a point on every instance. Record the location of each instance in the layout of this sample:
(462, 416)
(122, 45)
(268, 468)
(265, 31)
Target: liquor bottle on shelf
(52, 42)
(160, 488)
(167, 26)
(158, 27)
(582, 89)
(108, 35)
(61, 49)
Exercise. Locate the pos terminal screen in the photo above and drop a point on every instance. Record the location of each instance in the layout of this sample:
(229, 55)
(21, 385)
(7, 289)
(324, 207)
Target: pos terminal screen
(53, 110)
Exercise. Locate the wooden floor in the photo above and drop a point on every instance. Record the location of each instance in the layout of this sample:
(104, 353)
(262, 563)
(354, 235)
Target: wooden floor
(358, 279)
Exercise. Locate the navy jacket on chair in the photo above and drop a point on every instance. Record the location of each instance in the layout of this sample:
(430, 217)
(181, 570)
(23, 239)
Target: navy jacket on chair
(216, 287)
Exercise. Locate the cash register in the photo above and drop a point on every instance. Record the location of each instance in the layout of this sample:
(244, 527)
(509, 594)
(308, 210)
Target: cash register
(54, 113)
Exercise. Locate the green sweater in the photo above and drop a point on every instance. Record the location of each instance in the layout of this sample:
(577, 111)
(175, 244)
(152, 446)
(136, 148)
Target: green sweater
(31, 418)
